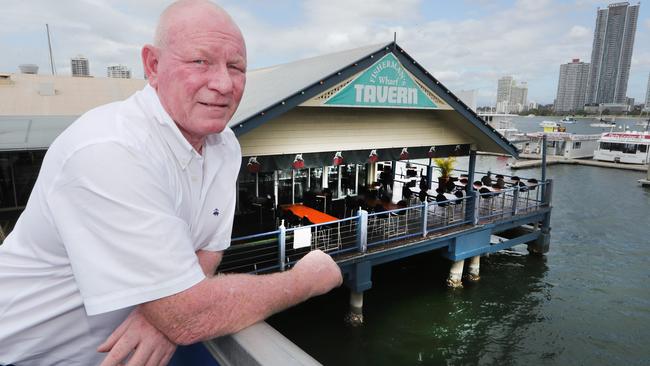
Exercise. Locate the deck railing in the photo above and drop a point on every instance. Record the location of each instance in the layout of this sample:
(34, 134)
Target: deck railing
(510, 201)
(276, 250)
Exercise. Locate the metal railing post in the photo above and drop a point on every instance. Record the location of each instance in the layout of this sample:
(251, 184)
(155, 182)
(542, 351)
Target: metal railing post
(515, 198)
(282, 242)
(473, 204)
(362, 231)
(425, 215)
(548, 192)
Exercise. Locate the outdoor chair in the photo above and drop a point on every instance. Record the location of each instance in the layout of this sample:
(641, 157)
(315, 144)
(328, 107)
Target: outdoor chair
(486, 199)
(444, 203)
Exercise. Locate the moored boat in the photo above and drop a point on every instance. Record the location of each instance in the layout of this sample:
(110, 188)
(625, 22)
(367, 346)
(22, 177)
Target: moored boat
(629, 147)
(552, 126)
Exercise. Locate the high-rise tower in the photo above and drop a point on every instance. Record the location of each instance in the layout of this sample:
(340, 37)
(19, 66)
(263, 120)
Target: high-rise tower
(571, 86)
(612, 53)
(511, 98)
(80, 66)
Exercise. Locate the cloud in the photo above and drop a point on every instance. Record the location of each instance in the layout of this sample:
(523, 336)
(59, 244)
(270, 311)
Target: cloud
(467, 46)
(579, 32)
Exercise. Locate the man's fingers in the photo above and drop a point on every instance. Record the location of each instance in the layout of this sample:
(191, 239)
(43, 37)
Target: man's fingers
(141, 355)
(161, 356)
(117, 333)
(167, 357)
(120, 351)
(156, 357)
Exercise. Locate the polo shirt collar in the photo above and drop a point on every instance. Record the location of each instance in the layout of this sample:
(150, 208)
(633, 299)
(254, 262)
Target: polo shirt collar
(172, 135)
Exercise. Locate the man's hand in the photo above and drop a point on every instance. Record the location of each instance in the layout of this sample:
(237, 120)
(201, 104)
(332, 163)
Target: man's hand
(320, 270)
(139, 341)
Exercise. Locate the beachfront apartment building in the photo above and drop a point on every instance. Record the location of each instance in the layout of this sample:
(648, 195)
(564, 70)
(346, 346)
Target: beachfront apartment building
(118, 71)
(511, 97)
(572, 86)
(611, 53)
(80, 66)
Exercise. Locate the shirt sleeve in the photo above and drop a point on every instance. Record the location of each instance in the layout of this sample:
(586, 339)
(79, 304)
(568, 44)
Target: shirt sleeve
(116, 217)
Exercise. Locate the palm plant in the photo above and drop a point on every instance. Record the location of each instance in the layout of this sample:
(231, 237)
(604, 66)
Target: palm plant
(445, 165)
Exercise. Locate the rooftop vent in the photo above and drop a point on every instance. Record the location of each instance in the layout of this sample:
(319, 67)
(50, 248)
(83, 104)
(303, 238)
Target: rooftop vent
(28, 69)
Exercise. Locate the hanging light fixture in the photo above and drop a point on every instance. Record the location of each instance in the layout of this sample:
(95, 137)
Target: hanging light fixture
(338, 159)
(298, 162)
(373, 157)
(432, 152)
(253, 165)
(404, 155)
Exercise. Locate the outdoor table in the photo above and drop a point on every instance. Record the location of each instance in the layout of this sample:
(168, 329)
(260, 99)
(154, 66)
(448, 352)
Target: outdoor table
(313, 215)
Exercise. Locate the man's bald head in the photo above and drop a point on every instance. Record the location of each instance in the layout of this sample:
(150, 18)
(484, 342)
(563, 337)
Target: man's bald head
(197, 67)
(183, 12)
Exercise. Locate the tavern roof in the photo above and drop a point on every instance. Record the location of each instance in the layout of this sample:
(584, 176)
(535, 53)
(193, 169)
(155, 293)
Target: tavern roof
(272, 91)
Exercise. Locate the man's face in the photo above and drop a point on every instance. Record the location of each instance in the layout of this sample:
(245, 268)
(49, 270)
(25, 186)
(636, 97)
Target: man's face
(201, 74)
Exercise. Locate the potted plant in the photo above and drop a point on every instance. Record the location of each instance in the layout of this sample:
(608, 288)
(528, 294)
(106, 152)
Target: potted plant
(446, 166)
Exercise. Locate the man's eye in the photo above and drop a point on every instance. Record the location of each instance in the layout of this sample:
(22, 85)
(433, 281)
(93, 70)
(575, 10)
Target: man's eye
(236, 67)
(200, 62)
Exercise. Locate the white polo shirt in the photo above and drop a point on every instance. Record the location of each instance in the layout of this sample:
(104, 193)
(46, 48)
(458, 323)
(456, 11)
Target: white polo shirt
(120, 207)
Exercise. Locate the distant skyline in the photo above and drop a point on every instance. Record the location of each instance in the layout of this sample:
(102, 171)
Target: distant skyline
(466, 44)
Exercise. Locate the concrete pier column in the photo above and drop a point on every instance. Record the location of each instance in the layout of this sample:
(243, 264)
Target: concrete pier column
(474, 268)
(358, 281)
(355, 316)
(456, 274)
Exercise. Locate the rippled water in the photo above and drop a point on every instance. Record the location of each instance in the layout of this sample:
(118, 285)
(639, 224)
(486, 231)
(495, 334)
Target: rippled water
(586, 302)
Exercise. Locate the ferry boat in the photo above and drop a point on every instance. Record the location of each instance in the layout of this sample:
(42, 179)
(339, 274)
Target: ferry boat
(558, 142)
(629, 147)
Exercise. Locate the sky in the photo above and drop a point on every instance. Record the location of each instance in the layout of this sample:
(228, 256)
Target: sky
(466, 44)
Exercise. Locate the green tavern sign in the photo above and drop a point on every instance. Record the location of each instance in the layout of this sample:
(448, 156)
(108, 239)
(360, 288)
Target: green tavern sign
(385, 84)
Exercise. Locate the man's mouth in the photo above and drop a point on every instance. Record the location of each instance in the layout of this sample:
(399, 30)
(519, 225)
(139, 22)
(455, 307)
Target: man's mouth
(213, 104)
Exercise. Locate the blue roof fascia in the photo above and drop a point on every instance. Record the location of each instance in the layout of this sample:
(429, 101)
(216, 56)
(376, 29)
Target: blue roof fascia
(436, 86)
(313, 90)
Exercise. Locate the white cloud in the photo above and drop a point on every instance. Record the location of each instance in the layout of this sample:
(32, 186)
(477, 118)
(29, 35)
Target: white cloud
(528, 40)
(580, 32)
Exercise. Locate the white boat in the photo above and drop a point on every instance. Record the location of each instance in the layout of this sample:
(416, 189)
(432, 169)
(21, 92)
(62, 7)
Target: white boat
(604, 122)
(629, 147)
(568, 120)
(558, 142)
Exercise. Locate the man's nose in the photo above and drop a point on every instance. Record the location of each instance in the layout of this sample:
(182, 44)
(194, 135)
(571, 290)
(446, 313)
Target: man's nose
(220, 80)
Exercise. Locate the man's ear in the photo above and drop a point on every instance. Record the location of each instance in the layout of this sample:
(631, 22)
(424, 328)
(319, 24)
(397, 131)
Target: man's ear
(150, 63)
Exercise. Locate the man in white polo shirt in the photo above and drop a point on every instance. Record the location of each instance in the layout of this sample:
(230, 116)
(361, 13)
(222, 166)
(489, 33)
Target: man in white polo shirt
(131, 212)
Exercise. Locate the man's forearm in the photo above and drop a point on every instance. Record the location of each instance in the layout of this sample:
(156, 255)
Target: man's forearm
(226, 304)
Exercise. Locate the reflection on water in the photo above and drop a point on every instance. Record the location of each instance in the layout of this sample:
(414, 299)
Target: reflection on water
(586, 302)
